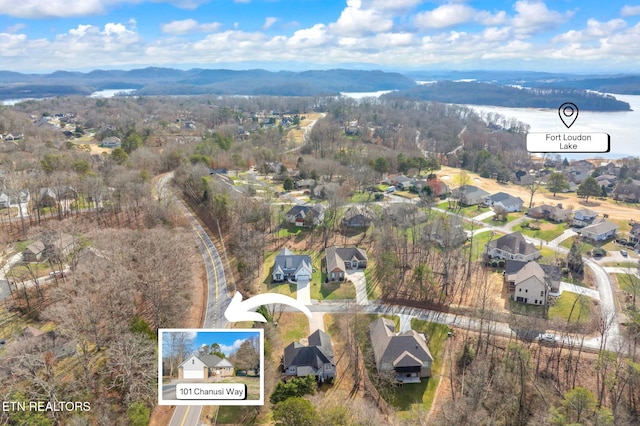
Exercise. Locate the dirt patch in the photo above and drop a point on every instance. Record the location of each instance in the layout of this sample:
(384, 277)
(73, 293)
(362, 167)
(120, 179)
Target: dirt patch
(161, 415)
(613, 209)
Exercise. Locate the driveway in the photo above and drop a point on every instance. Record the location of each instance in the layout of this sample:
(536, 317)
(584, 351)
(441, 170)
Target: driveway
(572, 288)
(485, 215)
(303, 292)
(316, 322)
(565, 235)
(360, 281)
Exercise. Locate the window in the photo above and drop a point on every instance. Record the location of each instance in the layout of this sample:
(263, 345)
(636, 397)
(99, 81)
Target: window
(535, 302)
(541, 293)
(526, 290)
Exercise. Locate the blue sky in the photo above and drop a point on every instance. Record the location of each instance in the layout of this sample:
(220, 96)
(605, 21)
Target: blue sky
(230, 341)
(559, 35)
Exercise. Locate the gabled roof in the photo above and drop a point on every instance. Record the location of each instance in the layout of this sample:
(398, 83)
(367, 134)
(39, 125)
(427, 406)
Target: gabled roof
(504, 198)
(211, 361)
(355, 211)
(635, 229)
(318, 352)
(531, 269)
(336, 256)
(35, 247)
(586, 212)
(513, 243)
(286, 260)
(400, 350)
(601, 227)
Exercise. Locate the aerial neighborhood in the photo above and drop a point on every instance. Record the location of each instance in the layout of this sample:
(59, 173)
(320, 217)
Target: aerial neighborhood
(449, 275)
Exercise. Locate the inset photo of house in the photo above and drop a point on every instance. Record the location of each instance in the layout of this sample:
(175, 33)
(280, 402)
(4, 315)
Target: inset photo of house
(210, 367)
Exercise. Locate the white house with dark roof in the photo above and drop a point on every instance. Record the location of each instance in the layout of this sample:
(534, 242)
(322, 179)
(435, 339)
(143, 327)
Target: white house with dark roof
(305, 215)
(512, 246)
(505, 201)
(341, 260)
(315, 359)
(469, 195)
(634, 234)
(529, 284)
(583, 217)
(204, 366)
(600, 231)
(405, 355)
(290, 266)
(357, 217)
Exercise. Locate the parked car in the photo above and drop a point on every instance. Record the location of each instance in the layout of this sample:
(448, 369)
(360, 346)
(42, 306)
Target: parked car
(624, 253)
(548, 338)
(390, 189)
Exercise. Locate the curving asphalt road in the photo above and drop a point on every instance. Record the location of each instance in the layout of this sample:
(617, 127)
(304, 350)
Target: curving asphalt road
(217, 297)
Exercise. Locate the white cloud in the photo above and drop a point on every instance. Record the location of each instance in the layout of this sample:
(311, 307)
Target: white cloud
(187, 26)
(630, 10)
(268, 22)
(533, 17)
(445, 16)
(595, 30)
(450, 15)
(15, 28)
(51, 8)
(229, 349)
(355, 20)
(309, 37)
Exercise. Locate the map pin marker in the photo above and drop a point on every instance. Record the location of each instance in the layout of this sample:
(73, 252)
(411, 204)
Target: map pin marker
(568, 112)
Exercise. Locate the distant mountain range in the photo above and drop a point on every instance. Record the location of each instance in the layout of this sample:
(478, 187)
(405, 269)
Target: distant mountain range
(168, 81)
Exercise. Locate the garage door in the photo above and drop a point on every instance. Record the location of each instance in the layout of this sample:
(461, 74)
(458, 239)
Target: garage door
(193, 374)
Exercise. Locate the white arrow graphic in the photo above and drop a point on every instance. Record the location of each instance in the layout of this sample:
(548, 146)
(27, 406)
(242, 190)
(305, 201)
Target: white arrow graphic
(239, 310)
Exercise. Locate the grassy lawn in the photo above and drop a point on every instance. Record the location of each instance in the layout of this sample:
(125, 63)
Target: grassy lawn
(361, 197)
(286, 231)
(406, 194)
(334, 290)
(473, 211)
(423, 393)
(628, 282)
(293, 327)
(479, 242)
(526, 309)
(547, 232)
(373, 287)
(22, 245)
(581, 306)
(510, 217)
(22, 272)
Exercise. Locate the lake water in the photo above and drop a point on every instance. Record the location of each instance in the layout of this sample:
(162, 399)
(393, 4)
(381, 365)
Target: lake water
(623, 127)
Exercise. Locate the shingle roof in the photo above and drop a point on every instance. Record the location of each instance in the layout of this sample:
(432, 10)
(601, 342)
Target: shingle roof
(601, 227)
(514, 243)
(405, 349)
(336, 256)
(531, 269)
(318, 352)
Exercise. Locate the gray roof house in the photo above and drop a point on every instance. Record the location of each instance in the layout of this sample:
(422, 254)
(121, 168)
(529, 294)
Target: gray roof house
(469, 195)
(339, 260)
(315, 359)
(33, 252)
(599, 231)
(634, 233)
(447, 231)
(291, 266)
(512, 246)
(357, 217)
(503, 200)
(552, 213)
(202, 366)
(405, 355)
(4, 200)
(305, 215)
(530, 282)
(583, 217)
